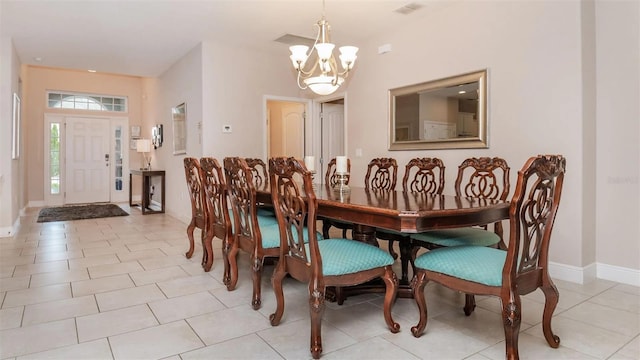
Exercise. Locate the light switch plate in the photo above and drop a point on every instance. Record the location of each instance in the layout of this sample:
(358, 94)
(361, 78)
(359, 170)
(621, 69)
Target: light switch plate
(226, 129)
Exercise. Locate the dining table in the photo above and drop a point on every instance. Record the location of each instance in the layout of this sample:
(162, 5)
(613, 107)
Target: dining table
(397, 210)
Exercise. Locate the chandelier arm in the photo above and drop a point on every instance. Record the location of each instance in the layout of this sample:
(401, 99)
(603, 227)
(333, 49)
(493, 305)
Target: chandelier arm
(308, 73)
(302, 87)
(334, 69)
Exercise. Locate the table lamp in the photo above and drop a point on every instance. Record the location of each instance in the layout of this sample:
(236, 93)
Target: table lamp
(144, 146)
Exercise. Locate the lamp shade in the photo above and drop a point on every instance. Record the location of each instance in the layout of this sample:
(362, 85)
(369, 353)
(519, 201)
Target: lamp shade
(143, 145)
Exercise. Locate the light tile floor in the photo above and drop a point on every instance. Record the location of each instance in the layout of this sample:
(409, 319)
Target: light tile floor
(121, 288)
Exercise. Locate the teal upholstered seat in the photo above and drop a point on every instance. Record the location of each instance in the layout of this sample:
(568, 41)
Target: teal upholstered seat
(262, 220)
(458, 237)
(474, 263)
(344, 256)
(263, 211)
(271, 236)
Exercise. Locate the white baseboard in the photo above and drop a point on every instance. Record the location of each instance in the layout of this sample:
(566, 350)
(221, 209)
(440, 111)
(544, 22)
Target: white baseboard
(619, 274)
(582, 275)
(9, 231)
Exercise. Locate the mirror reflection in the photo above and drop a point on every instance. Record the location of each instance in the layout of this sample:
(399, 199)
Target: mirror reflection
(445, 113)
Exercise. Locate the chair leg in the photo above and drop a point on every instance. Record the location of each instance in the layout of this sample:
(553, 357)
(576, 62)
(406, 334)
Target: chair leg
(226, 277)
(256, 274)
(326, 225)
(551, 300)
(190, 228)
(417, 287)
(316, 304)
(511, 308)
(207, 246)
(232, 257)
(393, 252)
(340, 296)
(469, 304)
(276, 281)
(391, 282)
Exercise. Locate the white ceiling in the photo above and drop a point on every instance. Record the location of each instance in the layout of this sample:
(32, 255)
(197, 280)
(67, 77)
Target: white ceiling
(145, 37)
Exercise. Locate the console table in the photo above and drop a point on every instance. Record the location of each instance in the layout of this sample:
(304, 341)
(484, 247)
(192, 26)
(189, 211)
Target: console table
(145, 203)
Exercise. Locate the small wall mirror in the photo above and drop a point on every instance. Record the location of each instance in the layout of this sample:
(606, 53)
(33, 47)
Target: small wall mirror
(179, 115)
(449, 113)
(156, 136)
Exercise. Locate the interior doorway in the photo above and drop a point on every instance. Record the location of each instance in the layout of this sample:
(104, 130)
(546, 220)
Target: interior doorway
(286, 128)
(291, 131)
(332, 138)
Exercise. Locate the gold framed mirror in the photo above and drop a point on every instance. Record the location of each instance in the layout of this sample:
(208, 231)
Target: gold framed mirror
(448, 113)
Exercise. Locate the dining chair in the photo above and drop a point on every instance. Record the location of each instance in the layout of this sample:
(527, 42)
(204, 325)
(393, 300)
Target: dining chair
(258, 170)
(331, 180)
(424, 176)
(217, 220)
(260, 179)
(382, 174)
(257, 235)
(330, 262)
(520, 269)
(193, 174)
(479, 178)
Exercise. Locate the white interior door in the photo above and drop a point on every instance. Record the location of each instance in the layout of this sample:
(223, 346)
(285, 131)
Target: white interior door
(332, 133)
(87, 160)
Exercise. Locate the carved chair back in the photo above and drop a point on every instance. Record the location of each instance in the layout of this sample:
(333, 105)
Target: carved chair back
(330, 177)
(424, 175)
(242, 198)
(382, 174)
(215, 199)
(532, 213)
(295, 202)
(259, 171)
(196, 195)
(484, 177)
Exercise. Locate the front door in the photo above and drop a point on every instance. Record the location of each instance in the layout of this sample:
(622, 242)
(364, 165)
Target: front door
(87, 160)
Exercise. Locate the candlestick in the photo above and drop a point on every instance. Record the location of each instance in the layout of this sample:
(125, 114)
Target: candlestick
(341, 164)
(310, 163)
(342, 182)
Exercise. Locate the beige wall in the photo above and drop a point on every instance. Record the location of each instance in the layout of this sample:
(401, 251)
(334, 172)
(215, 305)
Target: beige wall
(182, 83)
(617, 107)
(38, 80)
(11, 170)
(217, 96)
(533, 53)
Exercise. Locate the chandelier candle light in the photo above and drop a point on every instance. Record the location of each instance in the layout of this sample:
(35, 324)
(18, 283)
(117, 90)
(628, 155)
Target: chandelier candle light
(323, 78)
(144, 146)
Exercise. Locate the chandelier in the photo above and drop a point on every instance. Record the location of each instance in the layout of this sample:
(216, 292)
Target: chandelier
(323, 77)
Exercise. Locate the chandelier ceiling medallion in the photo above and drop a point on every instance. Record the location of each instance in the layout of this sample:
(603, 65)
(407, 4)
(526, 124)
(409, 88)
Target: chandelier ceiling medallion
(323, 76)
